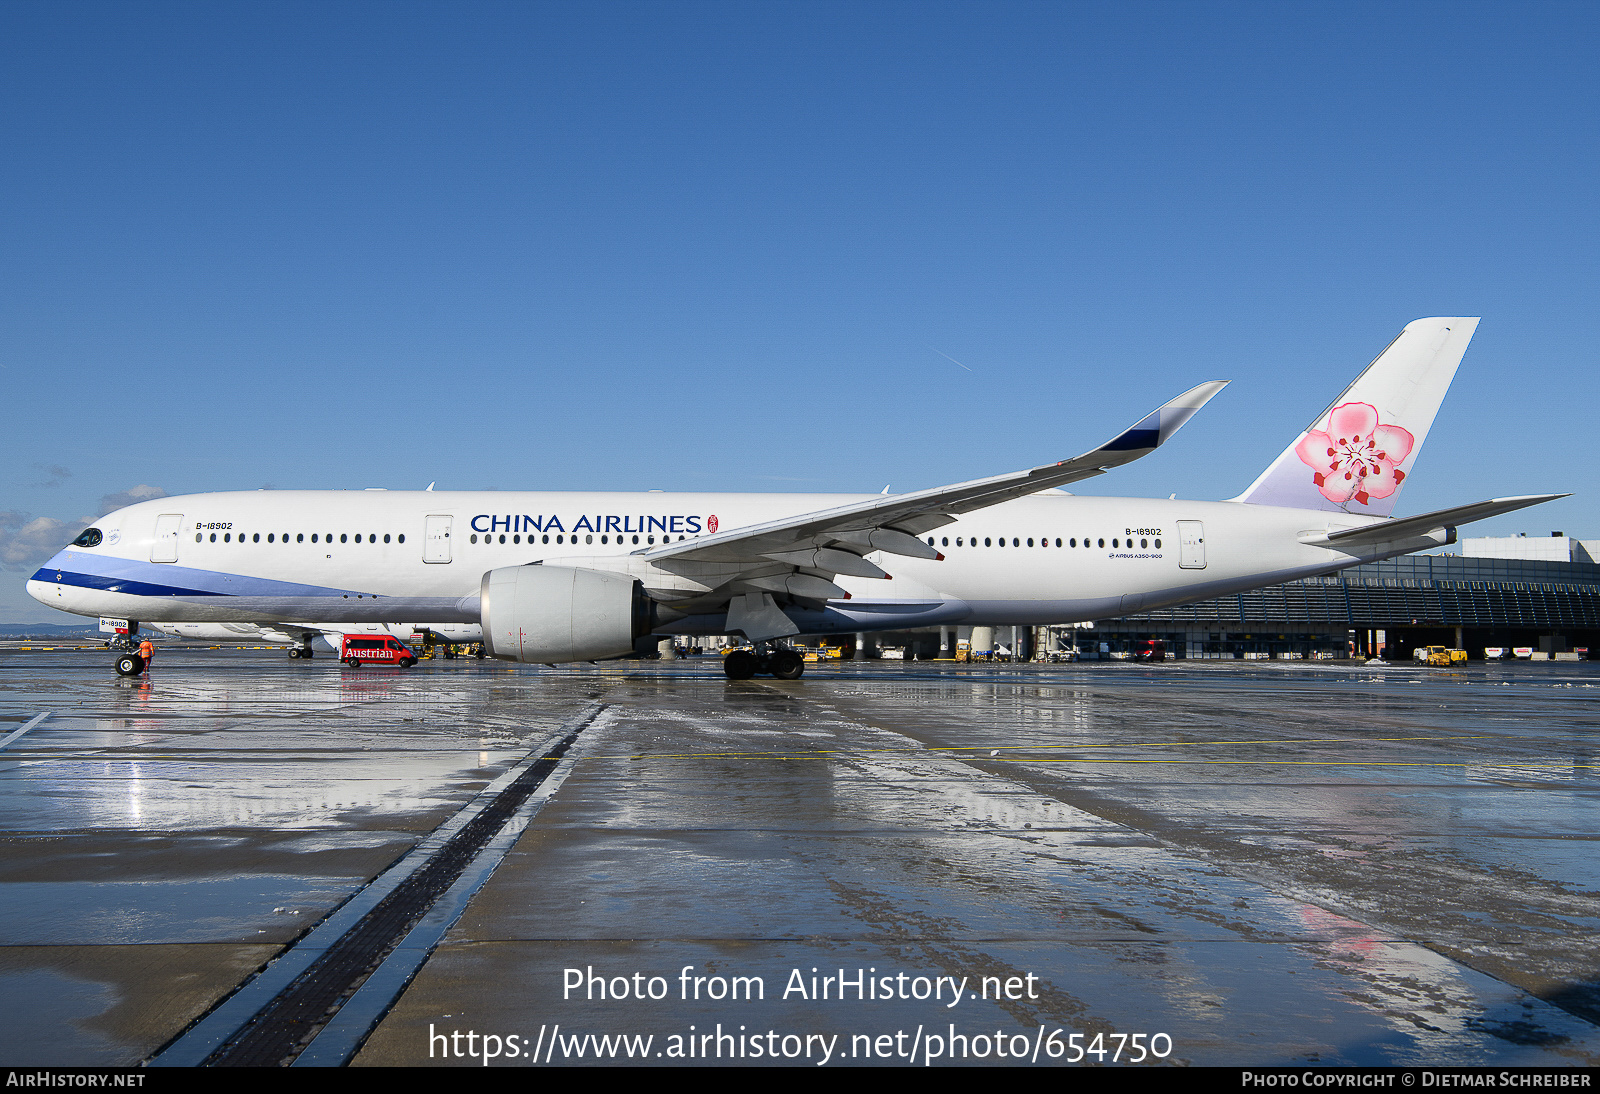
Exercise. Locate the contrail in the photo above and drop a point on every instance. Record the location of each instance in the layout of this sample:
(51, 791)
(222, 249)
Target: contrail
(947, 357)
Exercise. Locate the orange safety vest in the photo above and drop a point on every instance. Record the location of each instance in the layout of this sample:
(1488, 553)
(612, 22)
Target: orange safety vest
(147, 649)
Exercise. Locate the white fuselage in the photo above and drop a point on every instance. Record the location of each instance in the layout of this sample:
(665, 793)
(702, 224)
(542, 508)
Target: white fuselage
(390, 557)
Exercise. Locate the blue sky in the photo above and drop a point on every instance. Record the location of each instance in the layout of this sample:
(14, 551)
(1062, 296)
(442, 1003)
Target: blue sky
(735, 246)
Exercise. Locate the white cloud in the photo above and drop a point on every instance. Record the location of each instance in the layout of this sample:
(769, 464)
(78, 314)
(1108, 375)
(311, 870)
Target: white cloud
(25, 543)
(131, 496)
(27, 540)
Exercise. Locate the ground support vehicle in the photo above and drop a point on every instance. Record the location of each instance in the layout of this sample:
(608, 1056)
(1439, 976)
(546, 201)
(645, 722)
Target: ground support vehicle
(386, 650)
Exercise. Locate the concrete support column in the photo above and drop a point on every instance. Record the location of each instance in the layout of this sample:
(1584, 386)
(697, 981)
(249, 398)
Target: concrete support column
(947, 646)
(861, 646)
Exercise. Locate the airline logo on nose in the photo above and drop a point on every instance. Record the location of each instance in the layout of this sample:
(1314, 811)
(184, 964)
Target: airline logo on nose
(711, 523)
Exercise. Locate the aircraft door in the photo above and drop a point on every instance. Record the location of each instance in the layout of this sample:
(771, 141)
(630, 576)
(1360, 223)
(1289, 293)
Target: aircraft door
(436, 537)
(1191, 545)
(164, 548)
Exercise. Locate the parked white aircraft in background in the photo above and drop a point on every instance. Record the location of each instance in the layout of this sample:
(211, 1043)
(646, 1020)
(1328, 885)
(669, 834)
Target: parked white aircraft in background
(304, 640)
(555, 577)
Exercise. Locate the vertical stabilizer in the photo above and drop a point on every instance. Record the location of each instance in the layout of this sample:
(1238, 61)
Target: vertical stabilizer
(1358, 452)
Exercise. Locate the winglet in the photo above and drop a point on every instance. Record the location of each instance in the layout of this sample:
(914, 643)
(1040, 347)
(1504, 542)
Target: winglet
(1158, 426)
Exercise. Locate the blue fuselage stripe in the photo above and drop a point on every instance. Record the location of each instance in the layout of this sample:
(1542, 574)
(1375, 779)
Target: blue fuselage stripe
(118, 584)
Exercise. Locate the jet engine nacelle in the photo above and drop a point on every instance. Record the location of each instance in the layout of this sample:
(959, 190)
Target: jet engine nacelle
(546, 614)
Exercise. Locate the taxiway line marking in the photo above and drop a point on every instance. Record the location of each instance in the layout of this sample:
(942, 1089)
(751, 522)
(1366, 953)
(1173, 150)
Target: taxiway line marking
(1308, 763)
(29, 724)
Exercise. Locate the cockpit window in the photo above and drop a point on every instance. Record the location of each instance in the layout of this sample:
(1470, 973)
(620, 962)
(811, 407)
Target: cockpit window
(90, 538)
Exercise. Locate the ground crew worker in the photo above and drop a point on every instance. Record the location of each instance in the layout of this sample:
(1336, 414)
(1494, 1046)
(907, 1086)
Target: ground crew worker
(147, 650)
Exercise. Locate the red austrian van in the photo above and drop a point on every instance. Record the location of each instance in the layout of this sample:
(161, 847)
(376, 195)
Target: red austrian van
(383, 651)
(1150, 649)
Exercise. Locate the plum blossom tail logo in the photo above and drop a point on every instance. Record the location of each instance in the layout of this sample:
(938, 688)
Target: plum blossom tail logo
(1358, 458)
(711, 523)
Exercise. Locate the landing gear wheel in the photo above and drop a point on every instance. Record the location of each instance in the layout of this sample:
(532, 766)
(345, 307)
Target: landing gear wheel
(130, 664)
(739, 665)
(786, 665)
(294, 653)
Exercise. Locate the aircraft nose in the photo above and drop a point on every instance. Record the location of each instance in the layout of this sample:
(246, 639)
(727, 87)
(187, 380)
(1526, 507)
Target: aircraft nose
(40, 591)
(42, 585)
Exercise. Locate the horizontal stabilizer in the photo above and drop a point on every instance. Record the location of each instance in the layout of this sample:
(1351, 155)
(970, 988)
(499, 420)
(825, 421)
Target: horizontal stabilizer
(1390, 531)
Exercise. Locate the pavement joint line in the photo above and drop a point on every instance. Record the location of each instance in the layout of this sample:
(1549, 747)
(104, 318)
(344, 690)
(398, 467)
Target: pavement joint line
(29, 724)
(199, 1041)
(941, 749)
(348, 1030)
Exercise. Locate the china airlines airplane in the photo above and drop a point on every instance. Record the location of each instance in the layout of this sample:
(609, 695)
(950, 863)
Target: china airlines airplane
(557, 577)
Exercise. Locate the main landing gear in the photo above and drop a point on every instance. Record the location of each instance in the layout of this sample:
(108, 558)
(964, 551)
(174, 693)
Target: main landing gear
(130, 664)
(784, 663)
(296, 652)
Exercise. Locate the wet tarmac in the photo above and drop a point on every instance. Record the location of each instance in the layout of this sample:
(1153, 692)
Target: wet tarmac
(1205, 863)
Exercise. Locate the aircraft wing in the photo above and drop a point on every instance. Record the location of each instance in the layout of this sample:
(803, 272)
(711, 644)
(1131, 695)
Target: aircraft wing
(798, 555)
